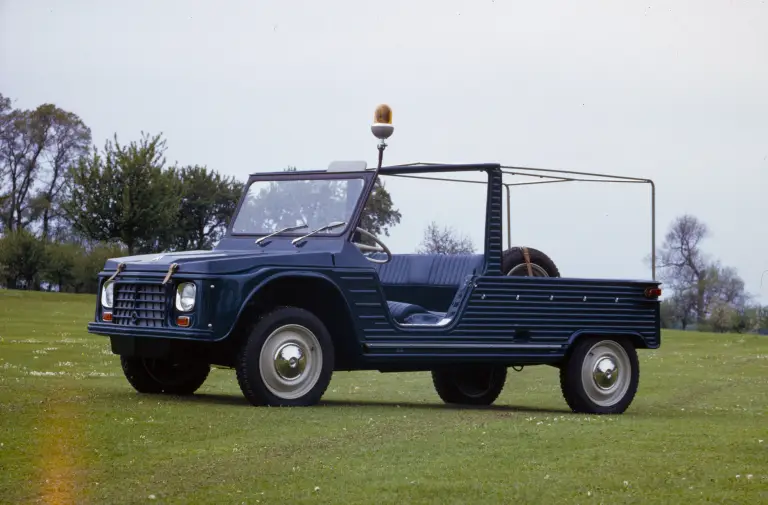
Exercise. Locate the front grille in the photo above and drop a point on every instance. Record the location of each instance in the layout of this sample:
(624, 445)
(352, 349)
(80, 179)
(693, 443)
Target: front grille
(139, 305)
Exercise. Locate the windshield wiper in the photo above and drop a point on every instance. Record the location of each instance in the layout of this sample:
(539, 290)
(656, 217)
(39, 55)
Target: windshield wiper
(278, 232)
(329, 226)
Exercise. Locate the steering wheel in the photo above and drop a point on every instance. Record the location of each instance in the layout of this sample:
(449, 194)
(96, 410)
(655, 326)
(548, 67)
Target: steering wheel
(369, 248)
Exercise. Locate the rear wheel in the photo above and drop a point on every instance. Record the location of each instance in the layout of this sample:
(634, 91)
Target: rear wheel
(470, 385)
(287, 360)
(601, 376)
(513, 262)
(156, 376)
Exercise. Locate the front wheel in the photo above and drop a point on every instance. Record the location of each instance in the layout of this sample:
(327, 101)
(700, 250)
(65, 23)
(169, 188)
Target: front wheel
(155, 376)
(601, 376)
(470, 385)
(287, 360)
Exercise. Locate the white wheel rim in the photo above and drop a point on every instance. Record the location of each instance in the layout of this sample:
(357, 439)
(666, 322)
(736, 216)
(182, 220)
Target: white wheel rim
(290, 361)
(606, 373)
(521, 270)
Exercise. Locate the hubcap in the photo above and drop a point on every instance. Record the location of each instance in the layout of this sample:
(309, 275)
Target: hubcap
(606, 373)
(290, 361)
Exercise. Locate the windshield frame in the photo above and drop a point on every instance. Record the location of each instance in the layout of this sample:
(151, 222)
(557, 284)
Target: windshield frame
(368, 178)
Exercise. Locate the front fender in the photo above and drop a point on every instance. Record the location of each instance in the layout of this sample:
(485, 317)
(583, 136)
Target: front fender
(270, 277)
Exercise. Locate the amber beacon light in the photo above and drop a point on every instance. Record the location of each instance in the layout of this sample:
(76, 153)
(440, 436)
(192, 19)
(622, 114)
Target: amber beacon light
(382, 127)
(382, 122)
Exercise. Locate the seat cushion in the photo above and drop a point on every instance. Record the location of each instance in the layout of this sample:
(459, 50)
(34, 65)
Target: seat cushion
(401, 310)
(409, 313)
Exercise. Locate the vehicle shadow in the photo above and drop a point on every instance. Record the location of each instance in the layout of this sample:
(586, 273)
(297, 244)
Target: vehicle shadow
(443, 406)
(237, 400)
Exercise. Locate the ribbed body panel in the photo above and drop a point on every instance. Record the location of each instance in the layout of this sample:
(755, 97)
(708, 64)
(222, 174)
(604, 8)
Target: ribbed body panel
(507, 316)
(551, 310)
(493, 233)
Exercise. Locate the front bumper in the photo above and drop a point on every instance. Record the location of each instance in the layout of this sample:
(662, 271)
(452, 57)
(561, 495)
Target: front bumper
(114, 330)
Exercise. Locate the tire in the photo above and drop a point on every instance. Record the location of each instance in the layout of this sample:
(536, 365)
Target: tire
(155, 376)
(513, 263)
(470, 385)
(580, 387)
(303, 372)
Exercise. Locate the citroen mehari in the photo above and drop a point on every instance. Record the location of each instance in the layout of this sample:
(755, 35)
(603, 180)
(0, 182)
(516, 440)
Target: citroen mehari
(298, 290)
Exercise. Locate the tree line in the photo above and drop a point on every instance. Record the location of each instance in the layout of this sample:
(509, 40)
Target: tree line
(67, 205)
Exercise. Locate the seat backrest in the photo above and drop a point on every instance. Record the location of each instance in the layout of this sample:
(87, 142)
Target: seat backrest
(428, 269)
(452, 269)
(406, 269)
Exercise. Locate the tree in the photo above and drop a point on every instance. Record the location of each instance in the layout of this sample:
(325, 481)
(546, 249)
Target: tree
(208, 202)
(445, 241)
(68, 140)
(126, 193)
(5, 124)
(702, 289)
(21, 144)
(23, 258)
(37, 147)
(59, 267)
(379, 213)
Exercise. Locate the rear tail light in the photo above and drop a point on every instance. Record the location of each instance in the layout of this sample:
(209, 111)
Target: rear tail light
(652, 292)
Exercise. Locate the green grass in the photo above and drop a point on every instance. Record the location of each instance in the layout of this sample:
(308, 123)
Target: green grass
(73, 431)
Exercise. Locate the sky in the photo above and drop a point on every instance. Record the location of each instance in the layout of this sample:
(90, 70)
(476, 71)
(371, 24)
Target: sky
(673, 91)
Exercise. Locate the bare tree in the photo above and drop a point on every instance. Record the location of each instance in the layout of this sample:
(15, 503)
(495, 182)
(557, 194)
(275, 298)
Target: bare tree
(37, 148)
(699, 285)
(445, 241)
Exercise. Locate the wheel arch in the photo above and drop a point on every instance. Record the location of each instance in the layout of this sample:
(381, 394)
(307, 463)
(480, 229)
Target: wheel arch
(634, 337)
(311, 291)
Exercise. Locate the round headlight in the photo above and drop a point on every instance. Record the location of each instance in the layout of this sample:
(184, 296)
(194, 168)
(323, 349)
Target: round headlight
(108, 294)
(185, 296)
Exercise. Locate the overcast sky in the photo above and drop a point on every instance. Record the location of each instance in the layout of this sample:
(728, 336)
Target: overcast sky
(675, 91)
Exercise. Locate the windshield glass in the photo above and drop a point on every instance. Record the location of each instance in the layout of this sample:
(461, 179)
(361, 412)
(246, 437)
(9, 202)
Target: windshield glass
(272, 205)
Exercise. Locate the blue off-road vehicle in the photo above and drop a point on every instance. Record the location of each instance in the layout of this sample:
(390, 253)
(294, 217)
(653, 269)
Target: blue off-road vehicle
(297, 290)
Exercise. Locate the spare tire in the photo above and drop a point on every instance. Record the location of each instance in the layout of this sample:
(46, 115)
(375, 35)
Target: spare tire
(513, 262)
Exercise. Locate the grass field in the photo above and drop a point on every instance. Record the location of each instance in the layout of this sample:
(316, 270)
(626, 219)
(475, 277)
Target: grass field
(73, 431)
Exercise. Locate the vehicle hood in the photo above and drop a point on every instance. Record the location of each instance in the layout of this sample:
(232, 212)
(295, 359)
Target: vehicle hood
(216, 261)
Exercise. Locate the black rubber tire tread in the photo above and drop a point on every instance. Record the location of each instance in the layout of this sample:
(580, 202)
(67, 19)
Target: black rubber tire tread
(514, 256)
(247, 364)
(446, 383)
(143, 382)
(573, 389)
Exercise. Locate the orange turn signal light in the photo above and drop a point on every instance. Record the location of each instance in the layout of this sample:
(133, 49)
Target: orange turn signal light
(182, 321)
(106, 316)
(652, 292)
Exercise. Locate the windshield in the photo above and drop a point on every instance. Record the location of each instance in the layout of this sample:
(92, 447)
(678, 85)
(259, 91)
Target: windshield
(272, 205)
